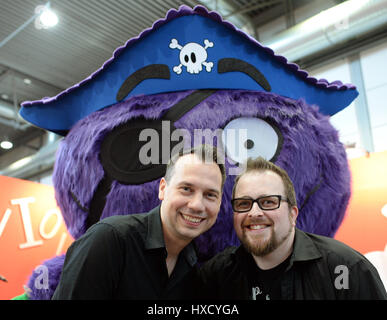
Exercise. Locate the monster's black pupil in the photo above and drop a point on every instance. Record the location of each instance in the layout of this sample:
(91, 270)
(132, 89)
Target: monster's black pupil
(249, 144)
(193, 57)
(186, 58)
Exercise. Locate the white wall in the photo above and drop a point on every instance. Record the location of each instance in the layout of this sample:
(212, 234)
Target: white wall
(374, 67)
(344, 121)
(373, 64)
(46, 180)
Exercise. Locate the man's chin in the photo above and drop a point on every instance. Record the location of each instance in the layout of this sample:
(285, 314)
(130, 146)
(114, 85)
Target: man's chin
(190, 233)
(258, 246)
(264, 246)
(259, 249)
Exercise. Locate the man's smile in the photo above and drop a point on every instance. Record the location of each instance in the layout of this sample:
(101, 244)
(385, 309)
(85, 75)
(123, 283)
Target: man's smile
(256, 227)
(192, 220)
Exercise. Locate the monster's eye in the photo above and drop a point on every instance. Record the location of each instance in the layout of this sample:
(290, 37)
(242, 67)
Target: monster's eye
(251, 137)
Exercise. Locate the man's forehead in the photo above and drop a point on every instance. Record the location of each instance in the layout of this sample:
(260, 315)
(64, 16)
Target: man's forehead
(192, 159)
(190, 164)
(261, 174)
(261, 180)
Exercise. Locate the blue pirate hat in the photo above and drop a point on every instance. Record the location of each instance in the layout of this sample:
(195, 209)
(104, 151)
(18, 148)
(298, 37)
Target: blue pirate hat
(188, 49)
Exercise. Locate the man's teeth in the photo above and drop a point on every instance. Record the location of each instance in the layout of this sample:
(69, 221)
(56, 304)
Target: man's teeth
(258, 226)
(191, 219)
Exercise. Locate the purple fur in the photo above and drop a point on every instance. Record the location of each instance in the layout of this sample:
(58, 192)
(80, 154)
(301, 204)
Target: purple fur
(311, 154)
(36, 283)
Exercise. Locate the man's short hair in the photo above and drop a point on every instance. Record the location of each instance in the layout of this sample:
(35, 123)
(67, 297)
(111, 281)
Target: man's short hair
(204, 152)
(260, 164)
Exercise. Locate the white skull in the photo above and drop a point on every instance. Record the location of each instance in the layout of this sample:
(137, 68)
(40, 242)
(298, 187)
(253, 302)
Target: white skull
(192, 55)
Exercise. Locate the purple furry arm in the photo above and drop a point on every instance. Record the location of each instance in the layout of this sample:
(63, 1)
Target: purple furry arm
(42, 286)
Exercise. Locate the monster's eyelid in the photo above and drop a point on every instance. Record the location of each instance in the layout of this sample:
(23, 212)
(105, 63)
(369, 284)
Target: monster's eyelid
(232, 65)
(153, 71)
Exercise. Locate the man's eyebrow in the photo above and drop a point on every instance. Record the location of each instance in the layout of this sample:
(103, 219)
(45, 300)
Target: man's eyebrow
(153, 71)
(188, 184)
(232, 65)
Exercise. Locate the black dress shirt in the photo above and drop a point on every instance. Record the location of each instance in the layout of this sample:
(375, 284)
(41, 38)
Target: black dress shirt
(316, 270)
(123, 257)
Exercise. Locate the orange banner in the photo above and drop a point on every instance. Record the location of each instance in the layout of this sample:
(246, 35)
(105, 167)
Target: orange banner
(365, 225)
(31, 230)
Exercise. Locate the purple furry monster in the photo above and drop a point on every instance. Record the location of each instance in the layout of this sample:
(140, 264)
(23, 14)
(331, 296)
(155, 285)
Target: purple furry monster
(310, 152)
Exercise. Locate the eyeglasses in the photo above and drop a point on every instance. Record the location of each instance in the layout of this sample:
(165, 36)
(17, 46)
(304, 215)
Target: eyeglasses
(266, 203)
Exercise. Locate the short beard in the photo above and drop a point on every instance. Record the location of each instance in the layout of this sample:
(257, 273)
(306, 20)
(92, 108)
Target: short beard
(264, 248)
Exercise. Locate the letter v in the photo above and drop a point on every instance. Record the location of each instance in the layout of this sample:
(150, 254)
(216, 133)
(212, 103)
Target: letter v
(4, 220)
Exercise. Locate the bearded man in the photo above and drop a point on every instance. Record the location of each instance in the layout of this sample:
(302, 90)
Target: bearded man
(276, 260)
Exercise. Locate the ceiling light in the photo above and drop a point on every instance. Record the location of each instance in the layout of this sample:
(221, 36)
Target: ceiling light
(6, 145)
(4, 96)
(47, 18)
(20, 163)
(27, 81)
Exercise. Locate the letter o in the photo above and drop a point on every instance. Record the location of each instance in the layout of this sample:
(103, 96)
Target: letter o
(43, 223)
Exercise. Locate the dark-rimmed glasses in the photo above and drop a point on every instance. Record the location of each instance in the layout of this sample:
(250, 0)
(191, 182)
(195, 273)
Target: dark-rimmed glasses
(266, 203)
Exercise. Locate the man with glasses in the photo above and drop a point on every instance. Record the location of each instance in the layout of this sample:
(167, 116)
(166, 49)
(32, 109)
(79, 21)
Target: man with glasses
(276, 260)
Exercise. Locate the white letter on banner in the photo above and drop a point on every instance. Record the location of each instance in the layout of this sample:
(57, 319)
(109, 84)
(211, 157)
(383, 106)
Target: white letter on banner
(56, 227)
(4, 220)
(26, 217)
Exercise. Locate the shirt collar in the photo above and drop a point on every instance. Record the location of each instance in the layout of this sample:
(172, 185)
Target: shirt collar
(155, 238)
(304, 249)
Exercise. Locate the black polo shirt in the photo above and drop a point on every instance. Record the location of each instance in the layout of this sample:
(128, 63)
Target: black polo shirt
(123, 257)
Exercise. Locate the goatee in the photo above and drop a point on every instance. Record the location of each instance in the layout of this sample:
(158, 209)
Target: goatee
(263, 248)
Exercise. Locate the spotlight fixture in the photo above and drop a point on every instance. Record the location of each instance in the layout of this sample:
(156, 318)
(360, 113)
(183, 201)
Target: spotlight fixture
(46, 18)
(6, 145)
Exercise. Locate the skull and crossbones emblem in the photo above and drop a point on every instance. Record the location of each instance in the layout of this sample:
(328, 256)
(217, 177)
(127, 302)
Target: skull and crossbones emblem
(192, 56)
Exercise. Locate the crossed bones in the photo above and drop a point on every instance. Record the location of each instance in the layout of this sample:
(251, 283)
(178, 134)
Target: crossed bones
(192, 56)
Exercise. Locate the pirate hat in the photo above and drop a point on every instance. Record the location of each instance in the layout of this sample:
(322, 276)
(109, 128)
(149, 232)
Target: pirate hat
(189, 49)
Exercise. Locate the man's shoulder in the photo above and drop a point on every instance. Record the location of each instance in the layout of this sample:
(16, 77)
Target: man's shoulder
(335, 250)
(123, 225)
(124, 219)
(222, 259)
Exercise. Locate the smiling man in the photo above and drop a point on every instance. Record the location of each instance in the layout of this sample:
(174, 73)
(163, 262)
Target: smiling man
(265, 214)
(191, 194)
(149, 256)
(276, 260)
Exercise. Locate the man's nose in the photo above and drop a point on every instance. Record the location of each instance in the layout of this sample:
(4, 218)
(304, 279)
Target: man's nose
(196, 203)
(255, 210)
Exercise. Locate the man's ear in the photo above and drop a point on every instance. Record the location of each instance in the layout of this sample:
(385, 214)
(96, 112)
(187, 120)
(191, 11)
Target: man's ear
(294, 215)
(162, 185)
